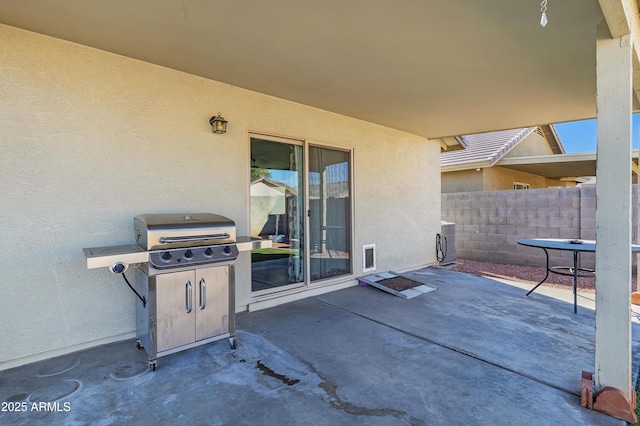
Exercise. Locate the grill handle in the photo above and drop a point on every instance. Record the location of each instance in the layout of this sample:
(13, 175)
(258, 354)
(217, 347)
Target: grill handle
(188, 239)
(188, 298)
(203, 294)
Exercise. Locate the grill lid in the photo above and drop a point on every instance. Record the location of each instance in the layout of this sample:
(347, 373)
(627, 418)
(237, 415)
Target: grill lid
(165, 231)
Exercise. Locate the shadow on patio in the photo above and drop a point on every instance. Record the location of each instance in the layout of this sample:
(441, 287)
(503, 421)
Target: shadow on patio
(475, 351)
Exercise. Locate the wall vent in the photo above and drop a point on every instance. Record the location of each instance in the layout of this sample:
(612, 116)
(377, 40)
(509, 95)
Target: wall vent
(369, 257)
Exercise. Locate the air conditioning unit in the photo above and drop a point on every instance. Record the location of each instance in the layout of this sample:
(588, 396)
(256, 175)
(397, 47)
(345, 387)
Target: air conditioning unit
(446, 243)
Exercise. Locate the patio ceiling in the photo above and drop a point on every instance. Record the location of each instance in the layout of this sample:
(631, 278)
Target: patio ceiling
(553, 166)
(559, 166)
(432, 68)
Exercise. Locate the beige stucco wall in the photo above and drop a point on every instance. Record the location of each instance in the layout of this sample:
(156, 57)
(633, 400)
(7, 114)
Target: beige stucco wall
(462, 181)
(89, 139)
(533, 144)
(500, 178)
(495, 178)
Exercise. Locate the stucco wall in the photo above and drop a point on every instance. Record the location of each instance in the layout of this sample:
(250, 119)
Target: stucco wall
(89, 139)
(462, 181)
(494, 178)
(534, 144)
(500, 178)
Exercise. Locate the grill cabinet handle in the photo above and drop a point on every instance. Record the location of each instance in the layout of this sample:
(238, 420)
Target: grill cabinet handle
(203, 293)
(188, 297)
(188, 239)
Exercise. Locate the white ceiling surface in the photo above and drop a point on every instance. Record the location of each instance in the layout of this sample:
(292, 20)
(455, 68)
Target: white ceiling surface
(429, 67)
(560, 165)
(553, 166)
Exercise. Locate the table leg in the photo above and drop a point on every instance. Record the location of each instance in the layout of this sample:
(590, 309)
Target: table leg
(575, 282)
(545, 277)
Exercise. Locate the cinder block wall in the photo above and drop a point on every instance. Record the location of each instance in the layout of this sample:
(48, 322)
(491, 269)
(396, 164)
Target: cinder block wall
(489, 224)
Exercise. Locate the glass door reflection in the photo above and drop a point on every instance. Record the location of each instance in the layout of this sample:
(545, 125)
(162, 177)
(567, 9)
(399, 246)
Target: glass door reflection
(277, 213)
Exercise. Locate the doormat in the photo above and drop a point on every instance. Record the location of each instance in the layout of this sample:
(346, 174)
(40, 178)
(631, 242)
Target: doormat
(399, 283)
(396, 284)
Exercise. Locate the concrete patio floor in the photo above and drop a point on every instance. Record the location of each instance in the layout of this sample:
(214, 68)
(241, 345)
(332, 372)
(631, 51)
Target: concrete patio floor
(475, 351)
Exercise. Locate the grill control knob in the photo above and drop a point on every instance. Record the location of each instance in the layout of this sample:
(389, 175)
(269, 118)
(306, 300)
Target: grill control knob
(227, 249)
(208, 252)
(188, 254)
(166, 256)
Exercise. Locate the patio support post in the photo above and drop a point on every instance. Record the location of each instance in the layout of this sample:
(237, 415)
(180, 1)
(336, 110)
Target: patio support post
(613, 219)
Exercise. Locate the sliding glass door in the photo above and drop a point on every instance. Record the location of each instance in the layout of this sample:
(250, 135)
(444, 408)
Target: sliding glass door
(308, 222)
(330, 213)
(277, 213)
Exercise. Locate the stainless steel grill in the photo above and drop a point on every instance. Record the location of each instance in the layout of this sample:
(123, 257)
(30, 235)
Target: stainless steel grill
(184, 279)
(185, 240)
(162, 231)
(187, 286)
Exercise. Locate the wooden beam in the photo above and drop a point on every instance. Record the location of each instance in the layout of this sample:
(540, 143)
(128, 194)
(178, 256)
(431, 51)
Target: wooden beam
(623, 18)
(618, 14)
(551, 135)
(613, 215)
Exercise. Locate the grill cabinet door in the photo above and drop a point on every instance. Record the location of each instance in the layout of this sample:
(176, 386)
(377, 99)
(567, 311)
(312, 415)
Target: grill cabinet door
(176, 311)
(212, 302)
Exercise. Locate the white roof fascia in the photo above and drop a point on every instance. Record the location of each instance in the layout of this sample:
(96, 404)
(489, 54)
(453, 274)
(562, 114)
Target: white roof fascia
(466, 166)
(551, 158)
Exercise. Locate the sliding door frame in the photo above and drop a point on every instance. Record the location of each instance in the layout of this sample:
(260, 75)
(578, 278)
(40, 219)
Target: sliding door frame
(339, 278)
(307, 283)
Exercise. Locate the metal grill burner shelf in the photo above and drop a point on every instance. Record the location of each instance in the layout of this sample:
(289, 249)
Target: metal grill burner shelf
(185, 240)
(196, 256)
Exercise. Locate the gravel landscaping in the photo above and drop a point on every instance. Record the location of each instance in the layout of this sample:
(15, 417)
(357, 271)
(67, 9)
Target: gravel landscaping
(529, 274)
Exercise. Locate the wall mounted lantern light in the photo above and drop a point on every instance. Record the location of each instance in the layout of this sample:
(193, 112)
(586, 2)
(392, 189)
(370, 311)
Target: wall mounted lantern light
(218, 124)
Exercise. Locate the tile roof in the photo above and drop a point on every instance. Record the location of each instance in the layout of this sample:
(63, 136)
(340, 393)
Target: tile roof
(485, 149)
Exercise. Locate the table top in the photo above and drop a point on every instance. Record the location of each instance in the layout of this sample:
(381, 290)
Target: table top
(566, 244)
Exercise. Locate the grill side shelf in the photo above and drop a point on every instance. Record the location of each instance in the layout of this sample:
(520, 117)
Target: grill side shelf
(105, 257)
(251, 243)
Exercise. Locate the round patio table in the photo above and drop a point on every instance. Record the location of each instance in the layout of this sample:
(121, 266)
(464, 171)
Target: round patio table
(576, 246)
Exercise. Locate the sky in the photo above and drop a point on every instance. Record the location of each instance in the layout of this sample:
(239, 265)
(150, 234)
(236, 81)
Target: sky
(580, 136)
